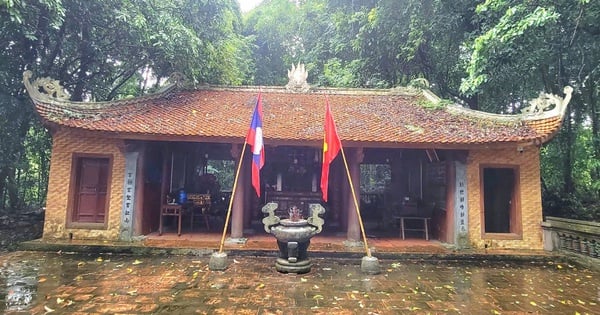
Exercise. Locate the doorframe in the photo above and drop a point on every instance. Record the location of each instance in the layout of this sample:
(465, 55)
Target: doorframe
(76, 157)
(516, 225)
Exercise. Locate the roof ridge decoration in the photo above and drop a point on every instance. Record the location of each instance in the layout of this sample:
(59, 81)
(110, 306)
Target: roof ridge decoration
(49, 91)
(297, 79)
(419, 83)
(44, 88)
(545, 106)
(177, 79)
(546, 102)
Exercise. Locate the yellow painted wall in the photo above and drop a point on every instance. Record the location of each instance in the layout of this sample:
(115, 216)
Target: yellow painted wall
(530, 197)
(65, 143)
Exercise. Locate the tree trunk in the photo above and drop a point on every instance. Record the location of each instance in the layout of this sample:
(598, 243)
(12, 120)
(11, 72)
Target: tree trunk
(3, 181)
(595, 121)
(86, 53)
(12, 191)
(568, 156)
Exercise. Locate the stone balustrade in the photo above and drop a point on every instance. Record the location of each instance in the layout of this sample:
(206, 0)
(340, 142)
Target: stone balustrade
(572, 236)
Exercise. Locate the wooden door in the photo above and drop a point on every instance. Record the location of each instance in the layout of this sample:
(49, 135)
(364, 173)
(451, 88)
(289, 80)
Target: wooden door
(91, 190)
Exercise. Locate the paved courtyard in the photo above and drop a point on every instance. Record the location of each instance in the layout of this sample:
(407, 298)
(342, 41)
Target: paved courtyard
(52, 283)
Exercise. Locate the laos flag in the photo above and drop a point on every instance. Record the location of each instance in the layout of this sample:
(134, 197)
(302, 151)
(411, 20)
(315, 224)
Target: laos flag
(255, 140)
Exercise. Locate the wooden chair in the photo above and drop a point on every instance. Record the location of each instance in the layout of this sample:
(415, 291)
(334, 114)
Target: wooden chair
(200, 206)
(172, 210)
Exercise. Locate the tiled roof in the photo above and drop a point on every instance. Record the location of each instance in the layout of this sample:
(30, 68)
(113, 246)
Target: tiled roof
(363, 117)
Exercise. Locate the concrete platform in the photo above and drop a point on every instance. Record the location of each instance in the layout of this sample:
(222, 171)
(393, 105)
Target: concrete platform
(262, 244)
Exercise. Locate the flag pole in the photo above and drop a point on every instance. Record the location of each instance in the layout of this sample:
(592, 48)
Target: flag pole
(360, 222)
(218, 259)
(235, 181)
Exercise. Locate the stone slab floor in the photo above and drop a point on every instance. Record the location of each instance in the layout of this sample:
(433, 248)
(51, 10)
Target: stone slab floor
(52, 283)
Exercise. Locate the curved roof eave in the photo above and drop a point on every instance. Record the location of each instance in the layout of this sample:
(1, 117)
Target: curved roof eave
(387, 116)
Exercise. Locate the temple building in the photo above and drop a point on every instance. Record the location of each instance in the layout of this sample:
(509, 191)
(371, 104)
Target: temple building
(419, 164)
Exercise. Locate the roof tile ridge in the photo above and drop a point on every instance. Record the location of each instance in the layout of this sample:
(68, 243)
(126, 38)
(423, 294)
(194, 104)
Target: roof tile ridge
(406, 91)
(457, 109)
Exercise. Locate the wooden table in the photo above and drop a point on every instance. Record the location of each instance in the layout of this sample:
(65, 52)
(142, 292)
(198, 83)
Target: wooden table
(424, 229)
(170, 210)
(199, 202)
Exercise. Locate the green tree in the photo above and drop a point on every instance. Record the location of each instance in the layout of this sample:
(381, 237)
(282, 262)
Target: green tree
(526, 47)
(102, 50)
(274, 27)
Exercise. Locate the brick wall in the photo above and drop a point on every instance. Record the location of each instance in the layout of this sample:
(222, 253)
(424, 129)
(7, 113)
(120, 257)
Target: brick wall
(530, 197)
(65, 143)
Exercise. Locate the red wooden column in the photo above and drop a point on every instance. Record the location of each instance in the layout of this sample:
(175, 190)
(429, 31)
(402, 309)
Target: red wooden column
(336, 202)
(249, 192)
(354, 157)
(338, 189)
(166, 174)
(237, 210)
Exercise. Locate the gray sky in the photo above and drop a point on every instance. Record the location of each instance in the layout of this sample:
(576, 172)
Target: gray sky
(247, 5)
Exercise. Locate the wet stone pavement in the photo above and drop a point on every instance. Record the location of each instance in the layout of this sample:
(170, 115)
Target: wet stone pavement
(50, 283)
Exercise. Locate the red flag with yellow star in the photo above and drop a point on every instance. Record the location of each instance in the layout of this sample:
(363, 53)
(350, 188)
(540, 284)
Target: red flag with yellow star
(331, 147)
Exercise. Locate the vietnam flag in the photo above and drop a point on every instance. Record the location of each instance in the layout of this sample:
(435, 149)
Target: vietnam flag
(255, 139)
(331, 147)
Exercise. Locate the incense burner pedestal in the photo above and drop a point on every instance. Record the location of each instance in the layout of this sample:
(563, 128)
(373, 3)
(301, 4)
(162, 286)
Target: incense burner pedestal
(293, 236)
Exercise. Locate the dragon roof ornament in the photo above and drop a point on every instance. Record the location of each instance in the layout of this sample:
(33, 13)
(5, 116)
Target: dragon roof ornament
(44, 88)
(548, 103)
(49, 91)
(297, 79)
(544, 106)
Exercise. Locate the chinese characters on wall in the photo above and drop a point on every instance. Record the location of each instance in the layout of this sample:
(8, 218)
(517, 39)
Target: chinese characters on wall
(461, 206)
(128, 196)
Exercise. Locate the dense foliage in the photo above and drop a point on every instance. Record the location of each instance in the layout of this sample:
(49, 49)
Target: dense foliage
(102, 50)
(491, 55)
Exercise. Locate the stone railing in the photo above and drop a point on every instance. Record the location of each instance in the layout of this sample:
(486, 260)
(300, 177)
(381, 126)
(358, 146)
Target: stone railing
(572, 236)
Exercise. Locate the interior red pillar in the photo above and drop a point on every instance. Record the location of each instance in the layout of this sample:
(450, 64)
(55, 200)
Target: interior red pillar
(354, 157)
(237, 210)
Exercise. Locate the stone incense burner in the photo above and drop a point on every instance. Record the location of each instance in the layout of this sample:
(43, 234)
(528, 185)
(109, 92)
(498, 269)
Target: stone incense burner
(293, 236)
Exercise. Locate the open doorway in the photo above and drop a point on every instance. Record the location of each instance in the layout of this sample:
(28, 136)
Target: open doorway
(500, 205)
